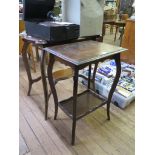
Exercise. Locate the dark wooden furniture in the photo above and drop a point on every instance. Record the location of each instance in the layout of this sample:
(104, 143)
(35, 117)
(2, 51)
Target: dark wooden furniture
(128, 42)
(123, 18)
(117, 23)
(79, 55)
(28, 40)
(110, 15)
(58, 75)
(30, 51)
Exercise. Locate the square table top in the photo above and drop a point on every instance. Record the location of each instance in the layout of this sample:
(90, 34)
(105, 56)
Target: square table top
(79, 53)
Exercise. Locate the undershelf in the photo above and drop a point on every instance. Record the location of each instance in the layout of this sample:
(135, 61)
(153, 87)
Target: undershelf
(87, 102)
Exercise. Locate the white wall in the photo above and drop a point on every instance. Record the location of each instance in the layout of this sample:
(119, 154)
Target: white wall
(71, 11)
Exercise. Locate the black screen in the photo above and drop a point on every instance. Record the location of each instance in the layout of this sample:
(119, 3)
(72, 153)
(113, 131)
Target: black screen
(37, 9)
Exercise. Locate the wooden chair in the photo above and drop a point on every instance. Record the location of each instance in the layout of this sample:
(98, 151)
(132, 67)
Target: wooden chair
(110, 15)
(124, 17)
(63, 74)
(30, 50)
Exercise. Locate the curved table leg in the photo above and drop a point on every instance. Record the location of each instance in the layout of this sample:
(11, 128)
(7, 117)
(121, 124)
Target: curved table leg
(27, 67)
(89, 76)
(44, 82)
(121, 36)
(75, 89)
(113, 87)
(94, 75)
(52, 83)
(103, 31)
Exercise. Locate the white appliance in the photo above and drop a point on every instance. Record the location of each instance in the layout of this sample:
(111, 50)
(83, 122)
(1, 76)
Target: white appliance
(87, 13)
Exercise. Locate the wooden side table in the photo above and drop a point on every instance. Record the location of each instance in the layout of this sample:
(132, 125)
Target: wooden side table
(117, 23)
(38, 43)
(59, 75)
(78, 56)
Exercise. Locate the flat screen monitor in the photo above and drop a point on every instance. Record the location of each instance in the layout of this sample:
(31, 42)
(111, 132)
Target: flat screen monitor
(37, 9)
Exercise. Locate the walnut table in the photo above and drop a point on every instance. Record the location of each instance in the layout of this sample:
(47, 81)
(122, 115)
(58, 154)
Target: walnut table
(39, 43)
(79, 55)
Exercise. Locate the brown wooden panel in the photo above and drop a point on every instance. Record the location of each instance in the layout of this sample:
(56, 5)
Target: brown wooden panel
(129, 42)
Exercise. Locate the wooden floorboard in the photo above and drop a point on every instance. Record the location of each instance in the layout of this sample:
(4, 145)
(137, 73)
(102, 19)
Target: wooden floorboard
(30, 138)
(94, 134)
(23, 148)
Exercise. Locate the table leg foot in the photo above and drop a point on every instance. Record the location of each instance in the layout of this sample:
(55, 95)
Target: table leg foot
(56, 112)
(73, 132)
(46, 117)
(108, 113)
(75, 89)
(29, 90)
(46, 111)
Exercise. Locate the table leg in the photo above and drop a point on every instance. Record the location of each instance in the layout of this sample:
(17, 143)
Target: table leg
(121, 36)
(44, 82)
(89, 76)
(75, 89)
(116, 33)
(52, 83)
(94, 75)
(111, 29)
(27, 67)
(113, 87)
(103, 31)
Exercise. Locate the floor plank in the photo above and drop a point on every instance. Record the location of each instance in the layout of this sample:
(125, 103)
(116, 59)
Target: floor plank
(30, 137)
(23, 148)
(29, 153)
(47, 126)
(39, 131)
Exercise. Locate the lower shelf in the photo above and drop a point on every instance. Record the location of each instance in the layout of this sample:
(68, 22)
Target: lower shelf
(87, 102)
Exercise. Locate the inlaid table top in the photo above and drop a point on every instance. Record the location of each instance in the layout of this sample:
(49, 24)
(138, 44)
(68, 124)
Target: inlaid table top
(83, 52)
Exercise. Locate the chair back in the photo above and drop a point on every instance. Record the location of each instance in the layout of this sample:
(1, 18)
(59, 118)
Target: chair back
(109, 14)
(124, 16)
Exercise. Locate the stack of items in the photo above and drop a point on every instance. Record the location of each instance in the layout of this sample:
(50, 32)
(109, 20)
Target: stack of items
(125, 90)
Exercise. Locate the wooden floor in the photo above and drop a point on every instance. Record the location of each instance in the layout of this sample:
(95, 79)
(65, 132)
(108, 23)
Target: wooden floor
(94, 134)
